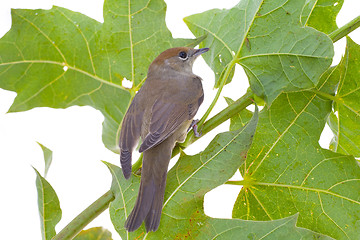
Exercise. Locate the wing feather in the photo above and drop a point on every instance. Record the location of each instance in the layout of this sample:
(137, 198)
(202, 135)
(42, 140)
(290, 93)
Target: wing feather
(129, 137)
(166, 118)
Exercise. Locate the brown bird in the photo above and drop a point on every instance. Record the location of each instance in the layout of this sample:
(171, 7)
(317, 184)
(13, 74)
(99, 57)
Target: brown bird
(161, 113)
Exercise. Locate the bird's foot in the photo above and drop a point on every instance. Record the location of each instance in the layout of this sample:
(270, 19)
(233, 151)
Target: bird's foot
(194, 126)
(138, 172)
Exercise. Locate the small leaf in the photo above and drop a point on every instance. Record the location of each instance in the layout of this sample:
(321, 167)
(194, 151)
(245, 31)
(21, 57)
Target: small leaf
(47, 158)
(322, 16)
(96, 233)
(196, 41)
(49, 207)
(267, 39)
(346, 125)
(287, 171)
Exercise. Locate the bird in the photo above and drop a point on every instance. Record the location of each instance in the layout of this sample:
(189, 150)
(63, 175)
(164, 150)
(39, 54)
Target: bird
(161, 114)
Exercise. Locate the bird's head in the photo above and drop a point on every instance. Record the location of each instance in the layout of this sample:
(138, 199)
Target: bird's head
(178, 59)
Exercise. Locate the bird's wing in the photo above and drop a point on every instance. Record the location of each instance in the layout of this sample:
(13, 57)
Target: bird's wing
(166, 118)
(129, 136)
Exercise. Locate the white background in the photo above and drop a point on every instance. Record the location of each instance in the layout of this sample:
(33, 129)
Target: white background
(74, 134)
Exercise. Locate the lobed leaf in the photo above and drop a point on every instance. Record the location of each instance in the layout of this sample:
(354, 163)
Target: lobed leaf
(267, 39)
(49, 207)
(346, 124)
(287, 171)
(59, 58)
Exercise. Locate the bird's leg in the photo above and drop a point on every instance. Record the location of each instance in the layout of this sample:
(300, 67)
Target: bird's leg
(194, 126)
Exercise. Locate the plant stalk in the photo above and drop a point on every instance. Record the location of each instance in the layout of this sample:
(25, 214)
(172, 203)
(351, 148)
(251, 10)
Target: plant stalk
(137, 165)
(222, 84)
(85, 217)
(221, 117)
(345, 30)
(215, 121)
(242, 182)
(325, 95)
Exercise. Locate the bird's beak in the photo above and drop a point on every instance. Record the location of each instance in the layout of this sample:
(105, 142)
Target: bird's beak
(200, 51)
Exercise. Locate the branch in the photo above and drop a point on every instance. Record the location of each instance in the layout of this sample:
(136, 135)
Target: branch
(221, 117)
(85, 217)
(345, 30)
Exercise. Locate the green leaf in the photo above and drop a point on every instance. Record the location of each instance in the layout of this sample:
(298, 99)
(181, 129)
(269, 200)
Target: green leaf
(267, 39)
(287, 171)
(96, 233)
(322, 16)
(240, 119)
(49, 207)
(188, 181)
(47, 158)
(58, 58)
(346, 124)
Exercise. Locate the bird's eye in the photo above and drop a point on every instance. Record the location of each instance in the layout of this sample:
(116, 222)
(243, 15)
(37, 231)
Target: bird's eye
(183, 55)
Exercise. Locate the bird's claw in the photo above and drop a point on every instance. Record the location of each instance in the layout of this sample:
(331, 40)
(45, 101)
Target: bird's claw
(194, 126)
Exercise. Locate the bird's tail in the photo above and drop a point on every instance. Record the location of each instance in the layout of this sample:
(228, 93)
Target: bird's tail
(148, 205)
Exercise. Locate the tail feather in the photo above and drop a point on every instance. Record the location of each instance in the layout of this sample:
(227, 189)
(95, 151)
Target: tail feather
(125, 161)
(152, 220)
(142, 206)
(148, 207)
(149, 202)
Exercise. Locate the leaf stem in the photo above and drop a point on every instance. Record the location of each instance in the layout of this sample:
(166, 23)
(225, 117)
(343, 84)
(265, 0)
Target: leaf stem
(136, 166)
(222, 84)
(326, 95)
(85, 217)
(345, 30)
(242, 182)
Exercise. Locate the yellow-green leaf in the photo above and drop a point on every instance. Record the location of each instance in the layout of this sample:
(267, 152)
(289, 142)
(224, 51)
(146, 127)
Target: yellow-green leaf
(49, 207)
(346, 124)
(47, 158)
(323, 14)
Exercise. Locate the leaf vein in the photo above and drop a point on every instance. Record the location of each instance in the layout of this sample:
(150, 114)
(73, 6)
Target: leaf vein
(285, 131)
(44, 34)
